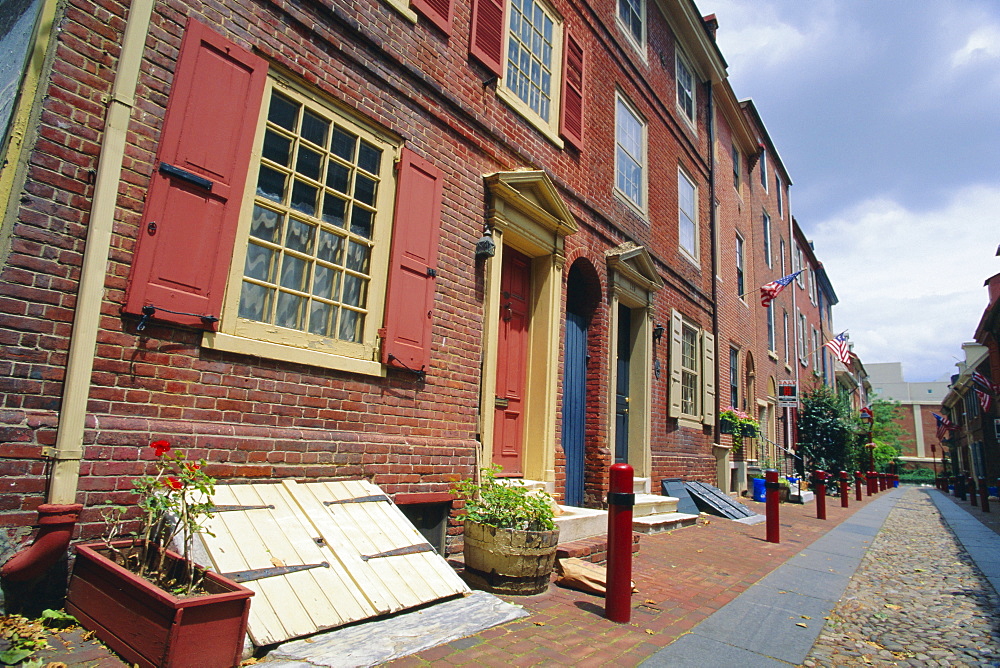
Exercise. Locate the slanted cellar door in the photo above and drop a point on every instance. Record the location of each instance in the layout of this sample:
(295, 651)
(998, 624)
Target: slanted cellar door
(321, 555)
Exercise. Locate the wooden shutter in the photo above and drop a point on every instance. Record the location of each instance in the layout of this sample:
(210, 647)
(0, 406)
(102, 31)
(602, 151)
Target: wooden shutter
(486, 40)
(413, 263)
(438, 12)
(571, 116)
(707, 378)
(676, 373)
(192, 209)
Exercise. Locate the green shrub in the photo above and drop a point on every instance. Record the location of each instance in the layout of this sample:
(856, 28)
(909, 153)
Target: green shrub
(505, 504)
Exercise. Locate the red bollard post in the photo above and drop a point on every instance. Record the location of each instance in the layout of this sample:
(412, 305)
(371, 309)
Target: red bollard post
(844, 489)
(773, 501)
(880, 479)
(621, 499)
(972, 492)
(820, 495)
(984, 495)
(858, 476)
(871, 482)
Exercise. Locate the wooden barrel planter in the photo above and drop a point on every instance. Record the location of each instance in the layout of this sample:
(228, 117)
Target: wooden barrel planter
(507, 561)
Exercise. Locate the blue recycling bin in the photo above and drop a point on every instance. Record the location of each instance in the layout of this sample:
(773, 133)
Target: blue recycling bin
(759, 489)
(992, 491)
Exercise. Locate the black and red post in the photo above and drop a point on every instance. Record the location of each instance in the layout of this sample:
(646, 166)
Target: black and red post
(773, 502)
(845, 488)
(820, 479)
(621, 499)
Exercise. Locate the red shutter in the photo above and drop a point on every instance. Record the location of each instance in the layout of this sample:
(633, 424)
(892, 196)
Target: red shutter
(413, 263)
(439, 12)
(571, 116)
(192, 210)
(486, 40)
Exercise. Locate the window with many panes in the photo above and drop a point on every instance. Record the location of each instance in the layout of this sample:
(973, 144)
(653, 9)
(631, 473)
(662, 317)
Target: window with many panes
(781, 203)
(322, 189)
(689, 370)
(533, 62)
(685, 88)
(784, 315)
(739, 266)
(687, 214)
(630, 153)
(631, 14)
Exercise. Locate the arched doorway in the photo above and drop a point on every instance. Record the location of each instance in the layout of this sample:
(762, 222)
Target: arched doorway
(582, 296)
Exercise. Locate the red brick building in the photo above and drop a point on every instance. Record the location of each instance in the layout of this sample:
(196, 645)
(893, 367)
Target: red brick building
(385, 239)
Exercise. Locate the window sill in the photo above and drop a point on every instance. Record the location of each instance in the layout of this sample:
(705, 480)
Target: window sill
(689, 422)
(633, 207)
(240, 345)
(773, 355)
(527, 113)
(686, 254)
(403, 7)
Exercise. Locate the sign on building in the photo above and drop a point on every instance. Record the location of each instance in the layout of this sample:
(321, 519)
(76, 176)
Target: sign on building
(788, 394)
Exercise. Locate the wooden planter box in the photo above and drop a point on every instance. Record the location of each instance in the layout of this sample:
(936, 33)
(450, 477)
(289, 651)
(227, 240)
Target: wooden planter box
(151, 627)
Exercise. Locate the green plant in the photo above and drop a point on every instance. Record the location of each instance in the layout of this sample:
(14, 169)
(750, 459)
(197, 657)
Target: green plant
(741, 424)
(505, 504)
(176, 502)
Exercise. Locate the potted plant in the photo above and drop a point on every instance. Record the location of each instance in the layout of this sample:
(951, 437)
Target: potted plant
(510, 535)
(739, 424)
(151, 605)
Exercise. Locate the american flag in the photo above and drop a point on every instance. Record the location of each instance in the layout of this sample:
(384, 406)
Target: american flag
(770, 291)
(985, 399)
(944, 425)
(984, 382)
(841, 349)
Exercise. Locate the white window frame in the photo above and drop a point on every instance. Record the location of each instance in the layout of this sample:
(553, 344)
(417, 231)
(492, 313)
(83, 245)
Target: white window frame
(740, 260)
(777, 192)
(623, 105)
(803, 339)
(737, 158)
(697, 410)
(766, 225)
(784, 314)
(801, 257)
(772, 344)
(246, 336)
(693, 373)
(762, 165)
(782, 249)
(682, 66)
(638, 42)
(547, 126)
(687, 218)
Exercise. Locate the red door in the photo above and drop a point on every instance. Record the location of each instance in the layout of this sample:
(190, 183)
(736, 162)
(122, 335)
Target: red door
(512, 355)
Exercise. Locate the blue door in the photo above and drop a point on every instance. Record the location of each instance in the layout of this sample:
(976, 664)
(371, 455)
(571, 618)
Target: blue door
(574, 406)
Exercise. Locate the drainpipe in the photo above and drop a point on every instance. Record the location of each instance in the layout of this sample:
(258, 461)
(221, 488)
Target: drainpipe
(58, 517)
(713, 232)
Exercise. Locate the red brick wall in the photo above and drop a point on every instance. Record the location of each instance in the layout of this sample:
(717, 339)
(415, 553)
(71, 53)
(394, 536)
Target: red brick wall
(256, 418)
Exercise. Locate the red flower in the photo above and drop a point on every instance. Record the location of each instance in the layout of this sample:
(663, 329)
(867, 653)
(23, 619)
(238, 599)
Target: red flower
(161, 447)
(193, 467)
(174, 483)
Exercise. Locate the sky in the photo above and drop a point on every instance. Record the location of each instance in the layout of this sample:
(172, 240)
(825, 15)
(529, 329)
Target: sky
(886, 114)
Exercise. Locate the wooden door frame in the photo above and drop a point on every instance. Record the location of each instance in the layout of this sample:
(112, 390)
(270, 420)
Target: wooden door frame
(527, 214)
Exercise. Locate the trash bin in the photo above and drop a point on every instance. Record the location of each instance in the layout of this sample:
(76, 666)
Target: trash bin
(759, 490)
(993, 491)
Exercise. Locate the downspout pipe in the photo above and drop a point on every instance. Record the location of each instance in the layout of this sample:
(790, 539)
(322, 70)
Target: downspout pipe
(57, 518)
(713, 224)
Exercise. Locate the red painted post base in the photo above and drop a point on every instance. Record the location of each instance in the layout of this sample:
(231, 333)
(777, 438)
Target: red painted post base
(844, 489)
(858, 476)
(773, 496)
(621, 498)
(820, 495)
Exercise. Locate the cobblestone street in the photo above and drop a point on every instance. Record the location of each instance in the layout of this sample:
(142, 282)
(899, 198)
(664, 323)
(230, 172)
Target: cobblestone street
(916, 600)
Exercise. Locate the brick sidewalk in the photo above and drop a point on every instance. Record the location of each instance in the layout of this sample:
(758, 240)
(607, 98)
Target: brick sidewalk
(682, 577)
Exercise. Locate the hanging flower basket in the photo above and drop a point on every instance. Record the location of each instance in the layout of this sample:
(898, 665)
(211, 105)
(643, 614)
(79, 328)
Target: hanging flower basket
(726, 424)
(739, 424)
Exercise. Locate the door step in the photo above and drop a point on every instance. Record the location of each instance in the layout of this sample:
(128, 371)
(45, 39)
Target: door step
(653, 504)
(650, 524)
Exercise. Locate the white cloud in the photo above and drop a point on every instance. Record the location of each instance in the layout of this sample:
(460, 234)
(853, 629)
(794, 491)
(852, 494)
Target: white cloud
(982, 45)
(910, 283)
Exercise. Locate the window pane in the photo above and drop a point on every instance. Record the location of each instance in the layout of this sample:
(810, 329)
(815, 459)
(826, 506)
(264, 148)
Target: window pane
(343, 144)
(314, 128)
(255, 301)
(333, 210)
(309, 163)
(289, 311)
(271, 184)
(260, 263)
(277, 148)
(282, 112)
(320, 315)
(304, 197)
(338, 177)
(331, 248)
(265, 224)
(299, 236)
(364, 189)
(369, 158)
(361, 222)
(293, 273)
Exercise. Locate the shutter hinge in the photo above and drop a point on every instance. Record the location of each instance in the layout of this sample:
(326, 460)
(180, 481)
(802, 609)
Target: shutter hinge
(420, 373)
(148, 311)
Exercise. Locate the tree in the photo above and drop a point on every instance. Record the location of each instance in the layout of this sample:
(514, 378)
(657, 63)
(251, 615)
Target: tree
(827, 433)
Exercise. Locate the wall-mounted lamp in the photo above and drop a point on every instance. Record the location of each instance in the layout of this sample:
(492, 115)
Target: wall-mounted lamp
(657, 333)
(486, 247)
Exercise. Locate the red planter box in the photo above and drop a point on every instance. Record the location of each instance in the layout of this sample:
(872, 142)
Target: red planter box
(151, 627)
